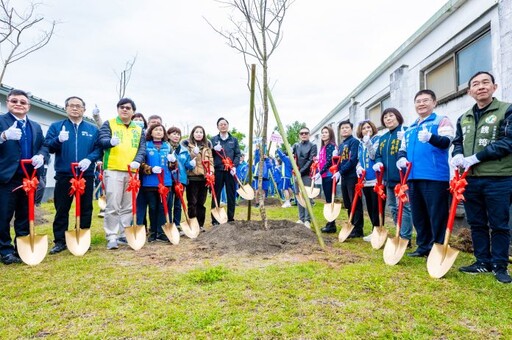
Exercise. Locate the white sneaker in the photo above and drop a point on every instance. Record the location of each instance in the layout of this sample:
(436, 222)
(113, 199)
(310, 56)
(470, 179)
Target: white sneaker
(286, 204)
(307, 224)
(112, 244)
(300, 222)
(368, 238)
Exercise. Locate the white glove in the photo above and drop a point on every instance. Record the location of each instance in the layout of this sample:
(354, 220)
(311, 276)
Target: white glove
(156, 169)
(377, 166)
(366, 139)
(134, 165)
(457, 161)
(114, 141)
(84, 164)
(171, 157)
(336, 176)
(424, 135)
(359, 170)
(95, 111)
(335, 152)
(401, 163)
(13, 133)
(37, 161)
(232, 171)
(63, 134)
(196, 150)
(400, 134)
(193, 163)
(217, 147)
(470, 161)
(317, 176)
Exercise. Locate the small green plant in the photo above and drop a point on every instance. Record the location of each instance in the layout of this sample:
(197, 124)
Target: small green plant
(208, 275)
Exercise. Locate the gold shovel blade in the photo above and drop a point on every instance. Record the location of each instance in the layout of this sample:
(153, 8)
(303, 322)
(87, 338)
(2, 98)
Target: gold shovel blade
(440, 260)
(172, 233)
(220, 215)
(78, 241)
(136, 236)
(188, 231)
(246, 192)
(379, 237)
(313, 192)
(32, 252)
(394, 250)
(345, 231)
(331, 211)
(300, 200)
(102, 202)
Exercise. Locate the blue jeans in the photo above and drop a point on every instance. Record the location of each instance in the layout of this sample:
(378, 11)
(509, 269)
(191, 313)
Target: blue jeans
(487, 207)
(406, 226)
(303, 211)
(429, 206)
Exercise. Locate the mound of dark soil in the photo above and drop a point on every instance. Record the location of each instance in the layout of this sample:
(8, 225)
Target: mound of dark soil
(251, 238)
(462, 240)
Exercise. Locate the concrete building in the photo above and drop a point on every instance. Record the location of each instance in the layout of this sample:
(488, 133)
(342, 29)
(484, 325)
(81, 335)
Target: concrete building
(44, 113)
(463, 37)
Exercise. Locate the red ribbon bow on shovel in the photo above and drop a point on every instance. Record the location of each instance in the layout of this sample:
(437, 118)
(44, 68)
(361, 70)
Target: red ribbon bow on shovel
(133, 182)
(379, 187)
(313, 168)
(400, 190)
(458, 186)
(358, 191)
(77, 186)
(210, 179)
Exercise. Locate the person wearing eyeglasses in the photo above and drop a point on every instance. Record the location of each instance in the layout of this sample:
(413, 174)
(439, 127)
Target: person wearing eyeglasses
(123, 144)
(483, 141)
(305, 153)
(425, 145)
(20, 138)
(72, 140)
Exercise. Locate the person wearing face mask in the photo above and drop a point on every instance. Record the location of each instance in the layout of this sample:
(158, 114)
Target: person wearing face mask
(141, 201)
(181, 162)
(200, 148)
(386, 157)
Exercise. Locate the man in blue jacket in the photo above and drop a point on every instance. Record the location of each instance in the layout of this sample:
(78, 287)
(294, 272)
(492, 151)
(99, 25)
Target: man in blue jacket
(425, 145)
(20, 138)
(72, 140)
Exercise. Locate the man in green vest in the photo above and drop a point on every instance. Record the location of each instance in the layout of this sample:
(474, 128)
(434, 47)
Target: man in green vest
(484, 142)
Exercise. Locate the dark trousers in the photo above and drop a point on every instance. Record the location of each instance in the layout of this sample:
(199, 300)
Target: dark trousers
(224, 178)
(12, 204)
(156, 210)
(174, 204)
(142, 208)
(327, 188)
(372, 205)
(196, 198)
(487, 207)
(348, 186)
(429, 206)
(62, 202)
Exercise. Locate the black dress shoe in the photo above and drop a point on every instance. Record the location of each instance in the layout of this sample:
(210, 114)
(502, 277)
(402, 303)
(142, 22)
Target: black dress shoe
(10, 259)
(417, 254)
(355, 235)
(57, 248)
(328, 230)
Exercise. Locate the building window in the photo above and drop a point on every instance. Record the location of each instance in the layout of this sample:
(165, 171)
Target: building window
(450, 75)
(374, 112)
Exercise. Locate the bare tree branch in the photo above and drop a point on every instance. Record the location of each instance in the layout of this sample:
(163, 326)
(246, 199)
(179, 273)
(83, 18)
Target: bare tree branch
(124, 77)
(14, 26)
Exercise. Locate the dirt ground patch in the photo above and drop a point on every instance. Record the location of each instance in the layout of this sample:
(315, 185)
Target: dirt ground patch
(245, 244)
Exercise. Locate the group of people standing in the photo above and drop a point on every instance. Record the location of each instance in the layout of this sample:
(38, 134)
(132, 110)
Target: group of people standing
(122, 146)
(482, 145)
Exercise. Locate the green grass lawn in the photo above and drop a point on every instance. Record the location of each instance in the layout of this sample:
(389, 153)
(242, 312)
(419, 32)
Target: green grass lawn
(120, 294)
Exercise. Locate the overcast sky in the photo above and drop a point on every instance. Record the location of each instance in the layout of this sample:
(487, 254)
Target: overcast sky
(186, 73)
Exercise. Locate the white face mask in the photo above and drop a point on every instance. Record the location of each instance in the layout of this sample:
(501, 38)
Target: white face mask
(139, 123)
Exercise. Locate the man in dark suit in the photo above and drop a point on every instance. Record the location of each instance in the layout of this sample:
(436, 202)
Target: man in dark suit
(20, 138)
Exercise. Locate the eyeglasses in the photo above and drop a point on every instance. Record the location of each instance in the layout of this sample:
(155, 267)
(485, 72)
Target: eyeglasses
(422, 101)
(75, 106)
(303, 133)
(16, 101)
(128, 108)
